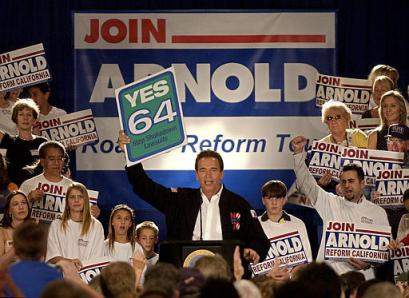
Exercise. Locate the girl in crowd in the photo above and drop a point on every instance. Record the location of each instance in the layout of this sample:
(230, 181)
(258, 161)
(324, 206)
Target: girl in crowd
(381, 85)
(16, 211)
(147, 236)
(120, 244)
(22, 150)
(77, 236)
(392, 110)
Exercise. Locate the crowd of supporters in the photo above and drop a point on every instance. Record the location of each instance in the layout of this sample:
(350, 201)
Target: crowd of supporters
(41, 254)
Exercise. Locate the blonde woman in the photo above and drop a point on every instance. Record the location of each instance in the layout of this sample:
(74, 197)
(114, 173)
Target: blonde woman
(381, 85)
(392, 110)
(77, 236)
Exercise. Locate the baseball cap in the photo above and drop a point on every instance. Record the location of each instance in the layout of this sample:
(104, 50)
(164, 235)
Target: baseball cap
(398, 131)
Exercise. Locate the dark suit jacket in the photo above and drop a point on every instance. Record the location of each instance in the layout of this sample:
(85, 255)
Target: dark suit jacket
(181, 209)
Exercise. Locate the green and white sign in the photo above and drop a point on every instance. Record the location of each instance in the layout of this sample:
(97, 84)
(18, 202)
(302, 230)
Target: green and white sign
(151, 115)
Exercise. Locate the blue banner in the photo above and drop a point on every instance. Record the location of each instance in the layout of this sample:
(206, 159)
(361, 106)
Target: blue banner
(246, 81)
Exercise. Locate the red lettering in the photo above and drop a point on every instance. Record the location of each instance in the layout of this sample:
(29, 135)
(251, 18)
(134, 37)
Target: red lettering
(108, 35)
(116, 30)
(133, 31)
(4, 58)
(158, 33)
(337, 226)
(329, 80)
(93, 36)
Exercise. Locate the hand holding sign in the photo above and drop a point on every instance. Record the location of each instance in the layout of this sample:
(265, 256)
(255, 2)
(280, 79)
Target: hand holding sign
(151, 116)
(279, 274)
(35, 195)
(358, 264)
(123, 140)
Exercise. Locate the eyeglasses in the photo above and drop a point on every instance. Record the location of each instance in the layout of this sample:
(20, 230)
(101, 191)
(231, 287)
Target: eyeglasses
(335, 118)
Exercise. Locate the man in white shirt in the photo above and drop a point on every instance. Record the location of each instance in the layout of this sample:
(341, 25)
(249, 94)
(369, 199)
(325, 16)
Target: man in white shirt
(47, 190)
(351, 207)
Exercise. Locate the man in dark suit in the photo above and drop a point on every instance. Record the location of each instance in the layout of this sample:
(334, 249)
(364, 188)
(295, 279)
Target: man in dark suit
(210, 212)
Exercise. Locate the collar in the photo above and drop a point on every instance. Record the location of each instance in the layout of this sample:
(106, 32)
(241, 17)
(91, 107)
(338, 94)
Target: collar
(284, 217)
(216, 196)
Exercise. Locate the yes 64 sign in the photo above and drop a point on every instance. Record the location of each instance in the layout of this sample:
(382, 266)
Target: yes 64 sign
(151, 115)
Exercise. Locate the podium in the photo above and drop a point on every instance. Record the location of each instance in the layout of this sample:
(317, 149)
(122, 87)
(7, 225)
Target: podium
(185, 253)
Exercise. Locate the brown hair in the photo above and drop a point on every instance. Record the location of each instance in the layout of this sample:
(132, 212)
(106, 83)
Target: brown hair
(117, 278)
(7, 220)
(24, 103)
(212, 154)
(274, 188)
(130, 234)
(30, 241)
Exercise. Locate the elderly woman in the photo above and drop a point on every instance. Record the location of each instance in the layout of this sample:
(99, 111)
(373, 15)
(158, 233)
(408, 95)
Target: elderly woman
(22, 150)
(337, 116)
(392, 110)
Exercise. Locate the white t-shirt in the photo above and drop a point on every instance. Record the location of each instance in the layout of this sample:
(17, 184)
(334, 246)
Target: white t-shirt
(208, 223)
(71, 245)
(6, 124)
(152, 260)
(54, 113)
(332, 207)
(121, 251)
(52, 204)
(273, 229)
(39, 181)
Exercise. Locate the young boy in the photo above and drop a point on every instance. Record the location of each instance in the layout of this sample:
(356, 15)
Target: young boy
(276, 223)
(147, 236)
(31, 274)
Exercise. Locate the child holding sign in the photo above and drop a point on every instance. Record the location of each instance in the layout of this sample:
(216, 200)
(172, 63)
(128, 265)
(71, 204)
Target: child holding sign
(120, 244)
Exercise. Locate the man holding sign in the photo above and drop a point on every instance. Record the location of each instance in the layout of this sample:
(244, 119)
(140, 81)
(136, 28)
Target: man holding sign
(47, 190)
(352, 207)
(210, 212)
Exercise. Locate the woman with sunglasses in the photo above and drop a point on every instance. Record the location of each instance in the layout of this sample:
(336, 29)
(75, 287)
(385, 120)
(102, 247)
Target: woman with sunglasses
(336, 115)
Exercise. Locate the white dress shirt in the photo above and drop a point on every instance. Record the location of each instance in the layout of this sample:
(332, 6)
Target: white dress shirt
(208, 225)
